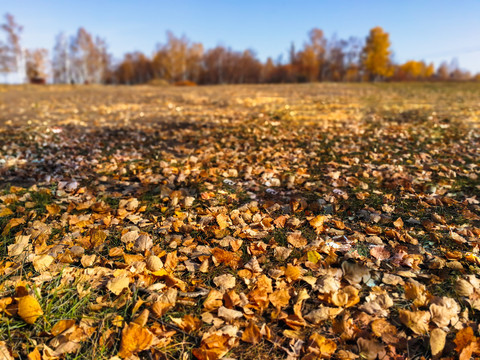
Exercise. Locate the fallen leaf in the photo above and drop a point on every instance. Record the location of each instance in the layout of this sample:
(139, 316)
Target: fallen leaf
(437, 341)
(251, 334)
(29, 309)
(417, 321)
(296, 239)
(61, 326)
(116, 285)
(135, 338)
(5, 353)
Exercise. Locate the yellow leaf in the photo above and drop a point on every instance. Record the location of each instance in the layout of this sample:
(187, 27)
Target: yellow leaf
(437, 341)
(314, 256)
(11, 224)
(117, 285)
(318, 221)
(29, 309)
(5, 212)
(53, 209)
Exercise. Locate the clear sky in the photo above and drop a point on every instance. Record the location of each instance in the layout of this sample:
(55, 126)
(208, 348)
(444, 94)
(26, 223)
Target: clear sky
(431, 30)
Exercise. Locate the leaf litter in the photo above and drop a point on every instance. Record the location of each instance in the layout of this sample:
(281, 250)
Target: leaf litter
(342, 227)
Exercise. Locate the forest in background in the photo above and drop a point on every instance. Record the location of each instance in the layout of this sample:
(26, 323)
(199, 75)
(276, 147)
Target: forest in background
(83, 58)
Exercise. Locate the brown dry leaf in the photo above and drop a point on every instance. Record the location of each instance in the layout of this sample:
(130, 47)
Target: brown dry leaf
(354, 273)
(29, 309)
(384, 330)
(61, 326)
(467, 343)
(88, 260)
(135, 338)
(225, 282)
(380, 253)
(190, 323)
(171, 261)
(370, 349)
(213, 300)
(377, 303)
(296, 239)
(463, 287)
(143, 243)
(463, 338)
(229, 314)
(251, 334)
(129, 237)
(142, 319)
(5, 353)
(417, 321)
(417, 292)
(323, 313)
(444, 311)
(154, 263)
(42, 262)
(117, 285)
(21, 243)
(437, 341)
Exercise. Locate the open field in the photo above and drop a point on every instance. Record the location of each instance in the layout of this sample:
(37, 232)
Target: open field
(245, 222)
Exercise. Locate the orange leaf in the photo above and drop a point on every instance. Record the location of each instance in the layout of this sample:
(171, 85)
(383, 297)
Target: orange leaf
(251, 334)
(464, 338)
(135, 338)
(61, 326)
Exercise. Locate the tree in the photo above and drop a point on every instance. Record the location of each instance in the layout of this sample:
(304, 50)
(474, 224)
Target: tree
(376, 55)
(89, 58)
(11, 53)
(36, 63)
(311, 60)
(178, 59)
(61, 60)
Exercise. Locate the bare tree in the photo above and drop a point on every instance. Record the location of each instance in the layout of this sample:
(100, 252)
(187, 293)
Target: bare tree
(61, 60)
(12, 59)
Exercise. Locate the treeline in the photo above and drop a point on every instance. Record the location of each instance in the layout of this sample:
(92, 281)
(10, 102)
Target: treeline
(84, 58)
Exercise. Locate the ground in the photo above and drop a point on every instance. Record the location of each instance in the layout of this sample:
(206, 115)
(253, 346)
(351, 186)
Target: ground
(245, 222)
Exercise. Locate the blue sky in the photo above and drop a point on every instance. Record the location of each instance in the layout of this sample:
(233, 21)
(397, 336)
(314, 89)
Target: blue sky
(421, 30)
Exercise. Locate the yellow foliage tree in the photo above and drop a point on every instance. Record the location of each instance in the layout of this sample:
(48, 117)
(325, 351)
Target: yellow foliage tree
(376, 55)
(414, 70)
